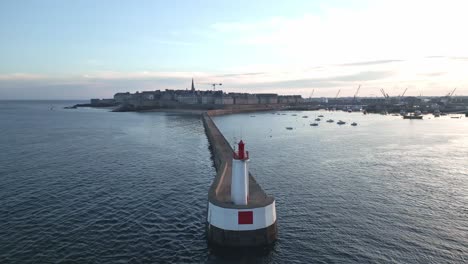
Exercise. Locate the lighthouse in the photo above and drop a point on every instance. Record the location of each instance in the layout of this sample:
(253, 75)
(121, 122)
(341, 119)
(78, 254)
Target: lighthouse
(240, 176)
(240, 213)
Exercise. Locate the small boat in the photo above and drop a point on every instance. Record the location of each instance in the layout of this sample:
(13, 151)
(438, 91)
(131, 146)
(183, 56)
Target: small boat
(437, 113)
(330, 120)
(252, 116)
(317, 119)
(413, 117)
(314, 124)
(354, 124)
(289, 128)
(455, 117)
(320, 116)
(305, 117)
(341, 122)
(294, 115)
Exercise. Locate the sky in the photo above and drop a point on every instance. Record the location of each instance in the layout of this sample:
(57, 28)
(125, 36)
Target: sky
(52, 49)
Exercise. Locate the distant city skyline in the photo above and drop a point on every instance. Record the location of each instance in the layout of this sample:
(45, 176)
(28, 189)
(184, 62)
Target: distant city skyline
(83, 49)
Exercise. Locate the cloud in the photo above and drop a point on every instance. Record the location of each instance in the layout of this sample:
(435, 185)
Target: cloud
(459, 58)
(363, 76)
(241, 74)
(365, 63)
(116, 75)
(22, 76)
(434, 74)
(381, 29)
(173, 42)
(334, 81)
(418, 74)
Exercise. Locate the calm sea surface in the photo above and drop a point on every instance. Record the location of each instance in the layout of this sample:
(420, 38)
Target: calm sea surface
(89, 185)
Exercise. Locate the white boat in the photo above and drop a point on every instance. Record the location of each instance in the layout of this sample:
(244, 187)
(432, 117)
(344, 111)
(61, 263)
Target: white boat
(330, 120)
(317, 119)
(354, 124)
(341, 122)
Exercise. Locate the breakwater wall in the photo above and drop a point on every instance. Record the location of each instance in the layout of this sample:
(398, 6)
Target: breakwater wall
(223, 226)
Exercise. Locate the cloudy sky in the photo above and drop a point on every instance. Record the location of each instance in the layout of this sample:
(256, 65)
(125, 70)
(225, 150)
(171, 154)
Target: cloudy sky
(82, 49)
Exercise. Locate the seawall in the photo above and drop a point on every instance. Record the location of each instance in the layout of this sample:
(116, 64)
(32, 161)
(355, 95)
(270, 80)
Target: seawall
(223, 228)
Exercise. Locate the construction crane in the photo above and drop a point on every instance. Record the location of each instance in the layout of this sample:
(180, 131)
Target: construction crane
(450, 94)
(356, 93)
(338, 93)
(312, 93)
(403, 94)
(212, 84)
(384, 93)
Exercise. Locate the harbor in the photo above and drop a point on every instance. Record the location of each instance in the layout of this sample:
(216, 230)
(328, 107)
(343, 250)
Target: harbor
(204, 100)
(382, 186)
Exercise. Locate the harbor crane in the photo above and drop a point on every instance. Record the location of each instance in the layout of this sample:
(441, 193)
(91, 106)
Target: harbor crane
(338, 93)
(356, 93)
(450, 94)
(312, 93)
(213, 85)
(403, 94)
(384, 93)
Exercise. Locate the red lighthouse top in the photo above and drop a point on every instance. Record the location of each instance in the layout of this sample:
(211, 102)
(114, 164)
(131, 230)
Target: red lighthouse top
(241, 153)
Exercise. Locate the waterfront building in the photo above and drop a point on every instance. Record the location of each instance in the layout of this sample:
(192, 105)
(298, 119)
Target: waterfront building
(267, 98)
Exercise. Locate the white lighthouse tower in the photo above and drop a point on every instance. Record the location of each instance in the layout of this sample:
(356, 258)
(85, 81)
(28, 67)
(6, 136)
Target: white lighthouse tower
(240, 176)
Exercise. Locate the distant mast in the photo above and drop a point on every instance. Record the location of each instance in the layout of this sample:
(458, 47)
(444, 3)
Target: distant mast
(240, 176)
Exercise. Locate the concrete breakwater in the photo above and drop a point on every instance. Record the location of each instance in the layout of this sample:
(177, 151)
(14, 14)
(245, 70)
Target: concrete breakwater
(224, 224)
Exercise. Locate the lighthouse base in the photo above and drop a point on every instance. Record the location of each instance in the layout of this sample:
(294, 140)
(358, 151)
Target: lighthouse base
(247, 238)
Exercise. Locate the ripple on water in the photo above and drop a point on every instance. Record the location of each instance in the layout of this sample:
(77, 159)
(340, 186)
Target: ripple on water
(90, 186)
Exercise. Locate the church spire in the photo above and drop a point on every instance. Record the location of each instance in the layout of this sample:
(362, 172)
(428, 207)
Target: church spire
(193, 86)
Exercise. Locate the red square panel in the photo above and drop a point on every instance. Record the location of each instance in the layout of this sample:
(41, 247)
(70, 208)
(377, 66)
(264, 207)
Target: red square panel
(245, 218)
